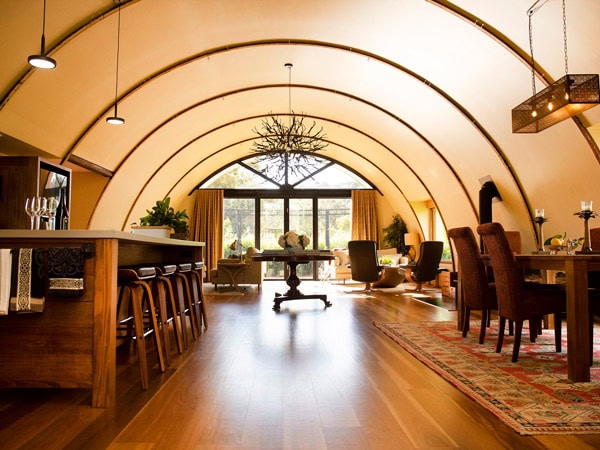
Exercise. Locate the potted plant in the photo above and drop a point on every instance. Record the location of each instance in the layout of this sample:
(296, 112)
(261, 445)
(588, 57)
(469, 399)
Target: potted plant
(393, 235)
(163, 216)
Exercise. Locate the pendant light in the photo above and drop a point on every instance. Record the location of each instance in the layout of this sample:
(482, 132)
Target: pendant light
(115, 119)
(42, 61)
(288, 149)
(563, 99)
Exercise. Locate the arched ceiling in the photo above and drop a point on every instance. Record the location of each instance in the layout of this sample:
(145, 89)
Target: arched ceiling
(415, 95)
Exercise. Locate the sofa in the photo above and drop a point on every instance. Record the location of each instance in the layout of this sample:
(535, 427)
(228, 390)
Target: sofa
(253, 274)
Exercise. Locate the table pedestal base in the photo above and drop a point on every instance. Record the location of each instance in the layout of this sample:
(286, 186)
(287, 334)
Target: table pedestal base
(293, 293)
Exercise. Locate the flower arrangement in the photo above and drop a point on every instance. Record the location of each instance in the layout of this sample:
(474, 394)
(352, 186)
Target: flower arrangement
(290, 239)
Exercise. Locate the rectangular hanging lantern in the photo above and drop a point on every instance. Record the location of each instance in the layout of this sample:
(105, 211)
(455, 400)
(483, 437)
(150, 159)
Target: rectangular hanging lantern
(564, 98)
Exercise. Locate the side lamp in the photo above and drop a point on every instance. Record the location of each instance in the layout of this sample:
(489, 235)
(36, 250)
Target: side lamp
(411, 240)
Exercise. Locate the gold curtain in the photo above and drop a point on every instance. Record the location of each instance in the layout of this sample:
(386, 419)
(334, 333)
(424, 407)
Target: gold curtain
(206, 224)
(364, 215)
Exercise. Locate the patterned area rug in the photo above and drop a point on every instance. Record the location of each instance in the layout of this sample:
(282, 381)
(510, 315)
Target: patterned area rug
(533, 395)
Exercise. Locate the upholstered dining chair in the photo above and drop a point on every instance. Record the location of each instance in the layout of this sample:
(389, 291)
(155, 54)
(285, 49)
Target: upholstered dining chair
(477, 292)
(519, 300)
(427, 266)
(364, 263)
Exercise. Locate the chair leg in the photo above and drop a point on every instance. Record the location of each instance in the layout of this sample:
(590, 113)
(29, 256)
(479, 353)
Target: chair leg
(485, 314)
(558, 332)
(501, 325)
(517, 342)
(466, 321)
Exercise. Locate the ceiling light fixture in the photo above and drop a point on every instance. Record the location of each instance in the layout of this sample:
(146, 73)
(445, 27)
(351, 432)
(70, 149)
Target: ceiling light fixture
(42, 61)
(288, 149)
(565, 98)
(115, 119)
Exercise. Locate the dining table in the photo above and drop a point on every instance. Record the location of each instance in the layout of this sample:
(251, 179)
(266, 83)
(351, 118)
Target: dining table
(576, 268)
(293, 259)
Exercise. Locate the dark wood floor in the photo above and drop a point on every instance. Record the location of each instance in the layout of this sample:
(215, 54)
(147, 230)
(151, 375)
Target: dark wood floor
(303, 378)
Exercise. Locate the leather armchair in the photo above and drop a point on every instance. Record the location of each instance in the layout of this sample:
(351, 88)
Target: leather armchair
(253, 274)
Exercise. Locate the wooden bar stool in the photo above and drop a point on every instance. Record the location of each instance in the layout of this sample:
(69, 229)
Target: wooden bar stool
(141, 318)
(163, 292)
(194, 276)
(198, 271)
(185, 302)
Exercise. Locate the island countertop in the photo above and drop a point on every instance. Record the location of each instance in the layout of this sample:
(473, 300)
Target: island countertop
(72, 344)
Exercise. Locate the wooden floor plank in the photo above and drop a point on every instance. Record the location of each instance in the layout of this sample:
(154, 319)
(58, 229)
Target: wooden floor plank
(304, 378)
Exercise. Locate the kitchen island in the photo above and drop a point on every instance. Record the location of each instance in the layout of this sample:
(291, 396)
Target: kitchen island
(72, 344)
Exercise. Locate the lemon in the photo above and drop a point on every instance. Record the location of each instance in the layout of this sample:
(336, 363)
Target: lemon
(556, 241)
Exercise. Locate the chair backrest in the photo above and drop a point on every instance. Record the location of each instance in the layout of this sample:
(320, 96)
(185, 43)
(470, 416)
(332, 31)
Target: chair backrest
(472, 272)
(595, 238)
(514, 239)
(364, 264)
(507, 273)
(426, 267)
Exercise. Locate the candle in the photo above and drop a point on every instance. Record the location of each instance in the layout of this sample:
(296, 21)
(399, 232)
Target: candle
(586, 206)
(540, 212)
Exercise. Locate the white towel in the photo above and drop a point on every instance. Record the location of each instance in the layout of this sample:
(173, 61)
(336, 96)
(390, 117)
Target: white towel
(5, 267)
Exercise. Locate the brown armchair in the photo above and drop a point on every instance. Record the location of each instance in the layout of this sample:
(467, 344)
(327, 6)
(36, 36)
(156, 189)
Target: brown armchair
(427, 266)
(364, 263)
(519, 300)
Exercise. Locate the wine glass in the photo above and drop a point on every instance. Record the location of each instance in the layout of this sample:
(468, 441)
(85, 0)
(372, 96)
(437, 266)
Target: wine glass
(30, 210)
(42, 205)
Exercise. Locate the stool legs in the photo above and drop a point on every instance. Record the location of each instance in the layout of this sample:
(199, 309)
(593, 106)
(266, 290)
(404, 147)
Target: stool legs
(198, 292)
(168, 313)
(139, 291)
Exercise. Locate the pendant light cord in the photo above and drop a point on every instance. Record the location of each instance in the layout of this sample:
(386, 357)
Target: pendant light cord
(43, 50)
(564, 11)
(118, 51)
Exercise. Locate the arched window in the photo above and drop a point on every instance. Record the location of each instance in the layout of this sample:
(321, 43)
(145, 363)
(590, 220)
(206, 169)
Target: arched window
(311, 199)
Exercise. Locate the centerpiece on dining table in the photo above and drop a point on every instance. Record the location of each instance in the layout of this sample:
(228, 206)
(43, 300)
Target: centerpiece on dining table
(292, 241)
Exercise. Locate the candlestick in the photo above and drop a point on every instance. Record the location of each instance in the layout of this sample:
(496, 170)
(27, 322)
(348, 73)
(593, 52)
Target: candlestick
(586, 214)
(539, 221)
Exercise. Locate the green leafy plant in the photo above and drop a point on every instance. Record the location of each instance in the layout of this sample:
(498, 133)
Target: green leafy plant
(385, 260)
(164, 214)
(393, 235)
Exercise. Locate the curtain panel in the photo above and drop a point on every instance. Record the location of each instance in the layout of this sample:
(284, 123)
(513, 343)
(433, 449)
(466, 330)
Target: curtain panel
(207, 224)
(364, 215)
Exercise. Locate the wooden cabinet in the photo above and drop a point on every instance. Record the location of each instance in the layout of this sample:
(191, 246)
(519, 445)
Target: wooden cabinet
(22, 177)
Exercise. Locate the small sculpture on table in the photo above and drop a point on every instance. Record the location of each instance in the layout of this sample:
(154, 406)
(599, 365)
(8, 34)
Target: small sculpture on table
(586, 214)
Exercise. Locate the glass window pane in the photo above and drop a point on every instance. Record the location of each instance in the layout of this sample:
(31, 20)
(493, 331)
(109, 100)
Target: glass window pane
(271, 227)
(334, 222)
(301, 221)
(238, 223)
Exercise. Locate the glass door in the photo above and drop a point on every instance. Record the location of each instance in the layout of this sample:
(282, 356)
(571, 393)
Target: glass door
(300, 220)
(271, 227)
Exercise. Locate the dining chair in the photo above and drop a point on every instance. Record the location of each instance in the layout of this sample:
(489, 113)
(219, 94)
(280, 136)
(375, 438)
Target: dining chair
(519, 300)
(364, 263)
(477, 293)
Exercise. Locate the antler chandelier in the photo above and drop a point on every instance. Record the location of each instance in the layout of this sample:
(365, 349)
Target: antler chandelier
(288, 149)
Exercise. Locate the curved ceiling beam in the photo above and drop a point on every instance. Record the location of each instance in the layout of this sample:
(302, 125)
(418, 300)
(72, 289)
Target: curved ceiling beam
(423, 138)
